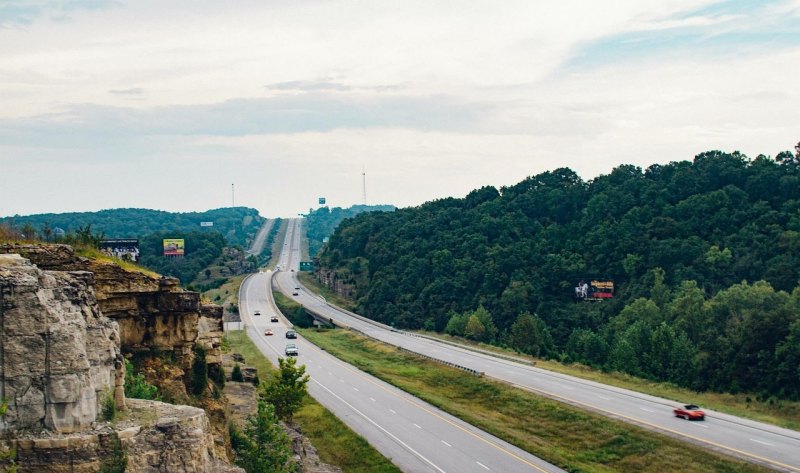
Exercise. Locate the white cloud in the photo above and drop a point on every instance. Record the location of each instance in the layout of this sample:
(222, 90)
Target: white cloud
(288, 100)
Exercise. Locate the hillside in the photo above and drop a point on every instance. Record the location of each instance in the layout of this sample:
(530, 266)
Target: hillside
(236, 224)
(703, 256)
(322, 222)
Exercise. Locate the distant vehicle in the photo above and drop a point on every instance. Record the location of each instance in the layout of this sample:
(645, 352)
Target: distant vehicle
(291, 349)
(689, 412)
(292, 270)
(268, 332)
(295, 293)
(256, 312)
(274, 318)
(291, 334)
(297, 289)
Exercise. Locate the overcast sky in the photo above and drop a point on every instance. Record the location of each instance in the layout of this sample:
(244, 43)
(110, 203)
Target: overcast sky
(165, 104)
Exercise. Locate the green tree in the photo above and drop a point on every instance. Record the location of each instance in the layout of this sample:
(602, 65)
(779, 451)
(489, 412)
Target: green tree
(529, 334)
(236, 374)
(287, 390)
(475, 330)
(262, 446)
(199, 371)
(136, 386)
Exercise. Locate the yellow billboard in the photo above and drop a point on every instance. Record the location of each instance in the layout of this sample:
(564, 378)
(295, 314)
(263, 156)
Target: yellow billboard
(173, 246)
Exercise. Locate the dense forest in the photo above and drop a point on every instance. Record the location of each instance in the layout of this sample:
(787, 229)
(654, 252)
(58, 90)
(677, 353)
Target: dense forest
(321, 222)
(236, 224)
(704, 256)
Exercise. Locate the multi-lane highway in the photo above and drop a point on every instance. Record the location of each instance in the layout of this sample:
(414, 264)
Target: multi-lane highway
(762, 443)
(416, 436)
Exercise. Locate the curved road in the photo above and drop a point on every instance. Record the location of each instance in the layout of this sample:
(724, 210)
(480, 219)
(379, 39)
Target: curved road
(416, 436)
(762, 443)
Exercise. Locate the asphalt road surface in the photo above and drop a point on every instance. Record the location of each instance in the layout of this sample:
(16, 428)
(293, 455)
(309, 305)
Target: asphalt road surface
(416, 436)
(762, 443)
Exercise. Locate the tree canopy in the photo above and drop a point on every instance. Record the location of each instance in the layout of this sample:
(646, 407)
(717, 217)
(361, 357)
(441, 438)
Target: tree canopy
(704, 256)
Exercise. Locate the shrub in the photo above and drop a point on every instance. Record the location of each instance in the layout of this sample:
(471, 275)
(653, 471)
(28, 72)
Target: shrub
(236, 374)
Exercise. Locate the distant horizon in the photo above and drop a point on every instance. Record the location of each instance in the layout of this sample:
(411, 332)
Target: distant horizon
(293, 101)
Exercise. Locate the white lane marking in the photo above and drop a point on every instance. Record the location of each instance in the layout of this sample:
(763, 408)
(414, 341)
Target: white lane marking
(415, 425)
(762, 443)
(481, 464)
(372, 399)
(567, 388)
(392, 411)
(700, 425)
(355, 388)
(381, 428)
(446, 443)
(604, 398)
(330, 373)
(341, 381)
(646, 409)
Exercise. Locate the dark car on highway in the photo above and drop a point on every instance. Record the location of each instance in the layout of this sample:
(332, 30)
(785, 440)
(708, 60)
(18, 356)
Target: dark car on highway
(291, 334)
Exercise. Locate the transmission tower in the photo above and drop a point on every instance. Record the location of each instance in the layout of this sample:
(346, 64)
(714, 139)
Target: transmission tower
(363, 186)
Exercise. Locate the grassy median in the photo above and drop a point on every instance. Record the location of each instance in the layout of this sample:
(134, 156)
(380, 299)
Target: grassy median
(334, 441)
(573, 439)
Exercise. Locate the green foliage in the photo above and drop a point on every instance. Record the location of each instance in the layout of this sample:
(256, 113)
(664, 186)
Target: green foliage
(8, 463)
(323, 221)
(136, 386)
(201, 249)
(236, 224)
(676, 239)
(218, 376)
(262, 446)
(108, 407)
(199, 371)
(116, 459)
(236, 374)
(287, 390)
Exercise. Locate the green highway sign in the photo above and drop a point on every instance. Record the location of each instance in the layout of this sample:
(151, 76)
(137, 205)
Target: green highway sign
(306, 266)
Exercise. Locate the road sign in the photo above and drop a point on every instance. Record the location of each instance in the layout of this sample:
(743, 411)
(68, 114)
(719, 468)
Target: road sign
(306, 266)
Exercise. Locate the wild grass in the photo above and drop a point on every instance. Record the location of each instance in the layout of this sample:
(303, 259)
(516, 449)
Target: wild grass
(308, 281)
(95, 254)
(774, 411)
(573, 439)
(334, 441)
(277, 243)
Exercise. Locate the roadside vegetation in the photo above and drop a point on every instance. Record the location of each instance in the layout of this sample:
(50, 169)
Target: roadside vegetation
(685, 272)
(277, 242)
(307, 279)
(774, 411)
(573, 439)
(334, 441)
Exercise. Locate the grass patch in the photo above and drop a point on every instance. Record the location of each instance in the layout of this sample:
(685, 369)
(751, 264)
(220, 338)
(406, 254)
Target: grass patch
(772, 411)
(335, 442)
(227, 293)
(307, 279)
(573, 439)
(277, 242)
(97, 255)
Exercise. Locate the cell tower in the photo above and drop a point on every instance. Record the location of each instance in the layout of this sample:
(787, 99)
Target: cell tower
(233, 200)
(363, 186)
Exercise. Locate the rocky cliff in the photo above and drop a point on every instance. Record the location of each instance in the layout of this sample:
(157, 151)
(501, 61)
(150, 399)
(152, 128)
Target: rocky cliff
(60, 362)
(153, 313)
(57, 352)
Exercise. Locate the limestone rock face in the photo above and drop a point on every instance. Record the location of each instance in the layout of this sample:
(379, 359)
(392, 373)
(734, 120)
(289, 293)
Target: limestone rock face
(152, 313)
(58, 351)
(157, 438)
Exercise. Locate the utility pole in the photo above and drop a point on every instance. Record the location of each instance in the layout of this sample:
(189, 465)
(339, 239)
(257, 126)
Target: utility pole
(363, 185)
(233, 200)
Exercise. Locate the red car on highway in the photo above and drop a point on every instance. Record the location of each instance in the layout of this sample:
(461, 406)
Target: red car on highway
(689, 412)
